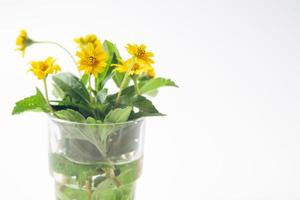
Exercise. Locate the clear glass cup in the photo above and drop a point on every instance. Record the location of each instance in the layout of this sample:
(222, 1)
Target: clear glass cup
(95, 161)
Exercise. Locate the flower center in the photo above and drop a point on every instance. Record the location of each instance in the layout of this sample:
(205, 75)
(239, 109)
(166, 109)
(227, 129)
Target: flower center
(44, 67)
(135, 67)
(92, 60)
(140, 52)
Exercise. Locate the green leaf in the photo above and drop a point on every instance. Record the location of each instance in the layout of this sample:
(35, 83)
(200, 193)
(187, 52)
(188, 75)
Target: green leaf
(72, 86)
(107, 184)
(113, 57)
(109, 191)
(118, 78)
(85, 79)
(61, 165)
(152, 93)
(57, 92)
(155, 83)
(105, 188)
(36, 103)
(91, 120)
(144, 105)
(70, 115)
(67, 193)
(102, 94)
(69, 103)
(101, 80)
(99, 110)
(140, 102)
(111, 49)
(137, 115)
(128, 91)
(118, 115)
(130, 171)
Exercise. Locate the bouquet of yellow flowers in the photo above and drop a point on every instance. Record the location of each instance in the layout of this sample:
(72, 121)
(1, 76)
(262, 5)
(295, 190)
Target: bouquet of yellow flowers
(87, 95)
(96, 135)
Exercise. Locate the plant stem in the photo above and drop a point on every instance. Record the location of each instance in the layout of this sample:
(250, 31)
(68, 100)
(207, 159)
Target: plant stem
(47, 96)
(111, 174)
(90, 88)
(124, 81)
(46, 89)
(59, 45)
(92, 99)
(89, 188)
(134, 78)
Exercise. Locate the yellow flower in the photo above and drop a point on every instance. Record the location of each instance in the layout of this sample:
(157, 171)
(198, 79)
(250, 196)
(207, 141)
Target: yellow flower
(92, 59)
(91, 38)
(151, 72)
(41, 69)
(136, 69)
(141, 55)
(23, 41)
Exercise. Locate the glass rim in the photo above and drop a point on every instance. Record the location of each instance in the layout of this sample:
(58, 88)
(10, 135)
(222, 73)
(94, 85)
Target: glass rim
(62, 121)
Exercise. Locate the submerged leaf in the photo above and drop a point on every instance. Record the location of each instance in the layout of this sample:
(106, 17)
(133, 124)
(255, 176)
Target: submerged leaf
(60, 164)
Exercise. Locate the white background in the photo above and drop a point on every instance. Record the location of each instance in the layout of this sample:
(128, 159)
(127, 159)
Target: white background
(232, 130)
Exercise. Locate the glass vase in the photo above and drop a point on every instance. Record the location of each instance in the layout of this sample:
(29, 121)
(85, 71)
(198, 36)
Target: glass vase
(95, 161)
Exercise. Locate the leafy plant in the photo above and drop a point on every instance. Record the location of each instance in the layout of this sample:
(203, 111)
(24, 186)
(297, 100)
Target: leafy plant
(100, 62)
(86, 99)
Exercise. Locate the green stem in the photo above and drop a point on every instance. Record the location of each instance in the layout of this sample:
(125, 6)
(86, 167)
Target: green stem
(46, 89)
(90, 89)
(92, 99)
(47, 96)
(111, 174)
(124, 81)
(134, 78)
(59, 45)
(89, 188)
